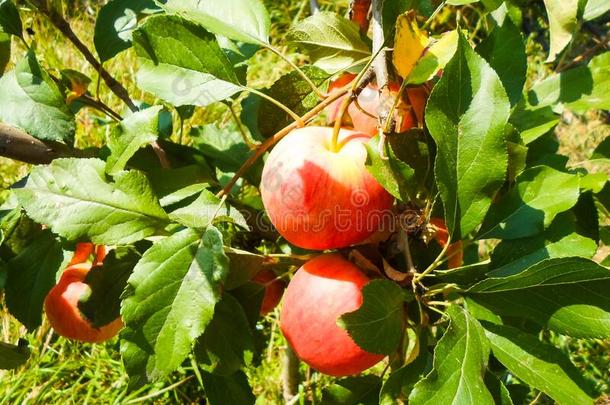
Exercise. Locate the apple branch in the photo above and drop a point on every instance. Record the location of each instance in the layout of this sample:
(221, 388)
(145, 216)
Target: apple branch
(64, 27)
(113, 84)
(380, 65)
(18, 145)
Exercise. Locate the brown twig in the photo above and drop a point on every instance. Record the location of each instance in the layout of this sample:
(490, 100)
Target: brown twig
(269, 142)
(114, 85)
(64, 27)
(18, 145)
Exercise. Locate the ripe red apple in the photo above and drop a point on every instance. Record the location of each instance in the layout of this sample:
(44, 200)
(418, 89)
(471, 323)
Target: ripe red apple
(274, 288)
(368, 100)
(61, 307)
(84, 250)
(318, 198)
(455, 251)
(325, 288)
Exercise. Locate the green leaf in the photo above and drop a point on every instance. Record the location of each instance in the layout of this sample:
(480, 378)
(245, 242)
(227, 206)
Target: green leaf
(526, 210)
(169, 301)
(13, 356)
(378, 324)
(239, 20)
(134, 132)
(295, 93)
(460, 361)
(538, 364)
(561, 240)
(31, 100)
(565, 294)
(504, 50)
(225, 149)
(10, 21)
(206, 209)
(174, 185)
(31, 275)
(579, 89)
(226, 339)
(466, 115)
(234, 390)
(107, 283)
(360, 390)
(115, 23)
(392, 9)
(595, 9)
(5, 51)
(498, 390)
(76, 200)
(400, 383)
(397, 177)
(332, 42)
(562, 23)
(182, 63)
(533, 122)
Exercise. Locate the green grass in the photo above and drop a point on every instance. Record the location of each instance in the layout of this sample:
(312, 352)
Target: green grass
(64, 372)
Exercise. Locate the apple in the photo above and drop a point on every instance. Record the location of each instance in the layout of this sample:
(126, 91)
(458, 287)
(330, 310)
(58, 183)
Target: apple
(318, 198)
(61, 307)
(84, 250)
(407, 114)
(322, 290)
(274, 288)
(455, 251)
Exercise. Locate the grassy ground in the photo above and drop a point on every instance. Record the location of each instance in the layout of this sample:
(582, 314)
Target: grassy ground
(63, 372)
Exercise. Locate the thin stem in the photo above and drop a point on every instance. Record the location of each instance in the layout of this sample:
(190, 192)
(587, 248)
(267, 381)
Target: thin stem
(64, 27)
(90, 101)
(437, 262)
(242, 131)
(434, 14)
(404, 237)
(161, 155)
(297, 69)
(292, 114)
(269, 142)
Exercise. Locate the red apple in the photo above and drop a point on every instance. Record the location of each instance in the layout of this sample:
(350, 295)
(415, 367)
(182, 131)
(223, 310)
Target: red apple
(368, 100)
(61, 307)
(455, 251)
(325, 288)
(318, 198)
(274, 288)
(84, 250)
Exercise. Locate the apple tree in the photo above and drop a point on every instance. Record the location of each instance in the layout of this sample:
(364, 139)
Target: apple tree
(401, 186)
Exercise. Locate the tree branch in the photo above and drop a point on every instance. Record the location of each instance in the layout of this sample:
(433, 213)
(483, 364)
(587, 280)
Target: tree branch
(18, 145)
(64, 27)
(380, 64)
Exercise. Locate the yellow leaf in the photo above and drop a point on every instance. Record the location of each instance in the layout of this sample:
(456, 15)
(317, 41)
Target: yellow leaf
(435, 58)
(409, 44)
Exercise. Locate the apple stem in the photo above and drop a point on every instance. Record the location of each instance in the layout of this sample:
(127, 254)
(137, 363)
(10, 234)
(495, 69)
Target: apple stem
(311, 84)
(244, 135)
